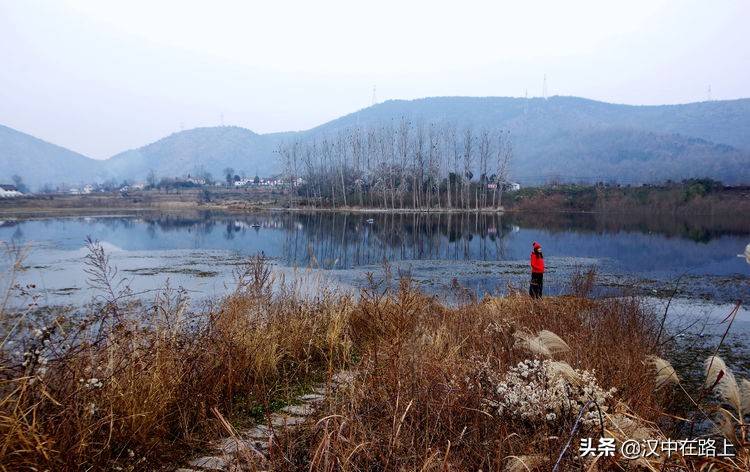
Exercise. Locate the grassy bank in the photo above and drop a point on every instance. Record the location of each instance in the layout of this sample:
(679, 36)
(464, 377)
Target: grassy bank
(172, 200)
(693, 197)
(489, 384)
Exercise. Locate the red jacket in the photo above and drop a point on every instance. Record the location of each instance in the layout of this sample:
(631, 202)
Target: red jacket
(537, 263)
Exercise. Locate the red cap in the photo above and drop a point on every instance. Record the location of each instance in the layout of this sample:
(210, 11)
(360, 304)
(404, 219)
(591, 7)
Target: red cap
(536, 245)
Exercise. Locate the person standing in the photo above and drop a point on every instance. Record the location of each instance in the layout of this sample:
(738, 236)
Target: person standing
(537, 271)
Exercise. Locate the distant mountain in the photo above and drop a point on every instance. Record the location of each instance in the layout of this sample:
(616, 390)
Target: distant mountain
(578, 139)
(721, 121)
(567, 138)
(39, 162)
(199, 150)
(628, 156)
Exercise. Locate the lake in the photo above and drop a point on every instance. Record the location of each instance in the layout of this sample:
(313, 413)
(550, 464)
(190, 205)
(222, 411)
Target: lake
(484, 252)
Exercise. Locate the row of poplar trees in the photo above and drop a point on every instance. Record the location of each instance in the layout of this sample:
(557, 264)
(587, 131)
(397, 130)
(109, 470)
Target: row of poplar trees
(401, 165)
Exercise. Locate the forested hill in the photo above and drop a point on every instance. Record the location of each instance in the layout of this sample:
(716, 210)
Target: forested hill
(39, 162)
(571, 138)
(562, 138)
(198, 151)
(721, 122)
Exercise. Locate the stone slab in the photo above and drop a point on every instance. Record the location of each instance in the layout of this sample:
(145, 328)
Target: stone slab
(298, 410)
(210, 463)
(312, 398)
(280, 421)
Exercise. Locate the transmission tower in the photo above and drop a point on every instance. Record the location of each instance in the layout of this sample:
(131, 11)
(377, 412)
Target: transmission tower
(544, 87)
(374, 94)
(709, 92)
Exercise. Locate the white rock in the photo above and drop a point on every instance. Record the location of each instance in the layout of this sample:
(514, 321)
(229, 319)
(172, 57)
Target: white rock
(298, 410)
(259, 432)
(210, 463)
(312, 398)
(280, 421)
(234, 445)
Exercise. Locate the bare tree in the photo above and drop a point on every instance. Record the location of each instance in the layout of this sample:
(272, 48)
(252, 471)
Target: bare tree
(384, 166)
(418, 164)
(433, 165)
(340, 150)
(228, 175)
(468, 162)
(503, 155)
(403, 166)
(357, 150)
(485, 151)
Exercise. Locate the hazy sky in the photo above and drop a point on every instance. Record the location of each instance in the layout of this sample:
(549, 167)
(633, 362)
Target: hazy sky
(102, 76)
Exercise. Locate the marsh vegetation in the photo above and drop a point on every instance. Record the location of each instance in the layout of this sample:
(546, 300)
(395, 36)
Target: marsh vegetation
(142, 380)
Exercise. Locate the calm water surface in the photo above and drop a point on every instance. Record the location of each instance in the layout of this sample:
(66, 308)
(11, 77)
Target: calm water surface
(483, 252)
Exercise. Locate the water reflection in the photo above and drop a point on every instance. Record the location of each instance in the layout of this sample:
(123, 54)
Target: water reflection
(655, 247)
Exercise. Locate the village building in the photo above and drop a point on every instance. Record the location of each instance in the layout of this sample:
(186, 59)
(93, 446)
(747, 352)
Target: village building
(9, 191)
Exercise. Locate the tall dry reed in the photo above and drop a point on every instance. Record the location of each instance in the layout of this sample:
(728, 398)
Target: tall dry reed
(419, 396)
(131, 384)
(136, 385)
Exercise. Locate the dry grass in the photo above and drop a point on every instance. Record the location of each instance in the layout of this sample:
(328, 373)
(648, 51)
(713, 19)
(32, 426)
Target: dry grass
(134, 386)
(417, 399)
(419, 396)
(130, 385)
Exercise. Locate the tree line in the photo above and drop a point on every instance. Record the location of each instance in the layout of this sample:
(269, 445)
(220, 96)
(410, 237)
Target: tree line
(400, 165)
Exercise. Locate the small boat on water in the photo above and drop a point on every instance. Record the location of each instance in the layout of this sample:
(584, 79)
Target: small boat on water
(255, 225)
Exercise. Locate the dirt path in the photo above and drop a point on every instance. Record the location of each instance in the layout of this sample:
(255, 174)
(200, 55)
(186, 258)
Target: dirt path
(254, 444)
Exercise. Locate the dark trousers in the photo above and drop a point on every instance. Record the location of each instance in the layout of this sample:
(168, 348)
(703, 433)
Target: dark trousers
(537, 283)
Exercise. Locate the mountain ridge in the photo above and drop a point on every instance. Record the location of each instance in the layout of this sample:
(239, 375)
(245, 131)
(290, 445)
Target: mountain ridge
(39, 162)
(559, 135)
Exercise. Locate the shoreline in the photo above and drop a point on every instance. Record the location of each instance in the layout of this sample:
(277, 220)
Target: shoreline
(24, 212)
(688, 199)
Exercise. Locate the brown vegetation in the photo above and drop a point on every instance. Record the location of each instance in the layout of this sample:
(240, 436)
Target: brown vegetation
(693, 197)
(132, 385)
(154, 199)
(426, 370)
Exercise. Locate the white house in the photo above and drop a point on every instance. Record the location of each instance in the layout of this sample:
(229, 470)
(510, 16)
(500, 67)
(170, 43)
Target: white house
(9, 191)
(243, 182)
